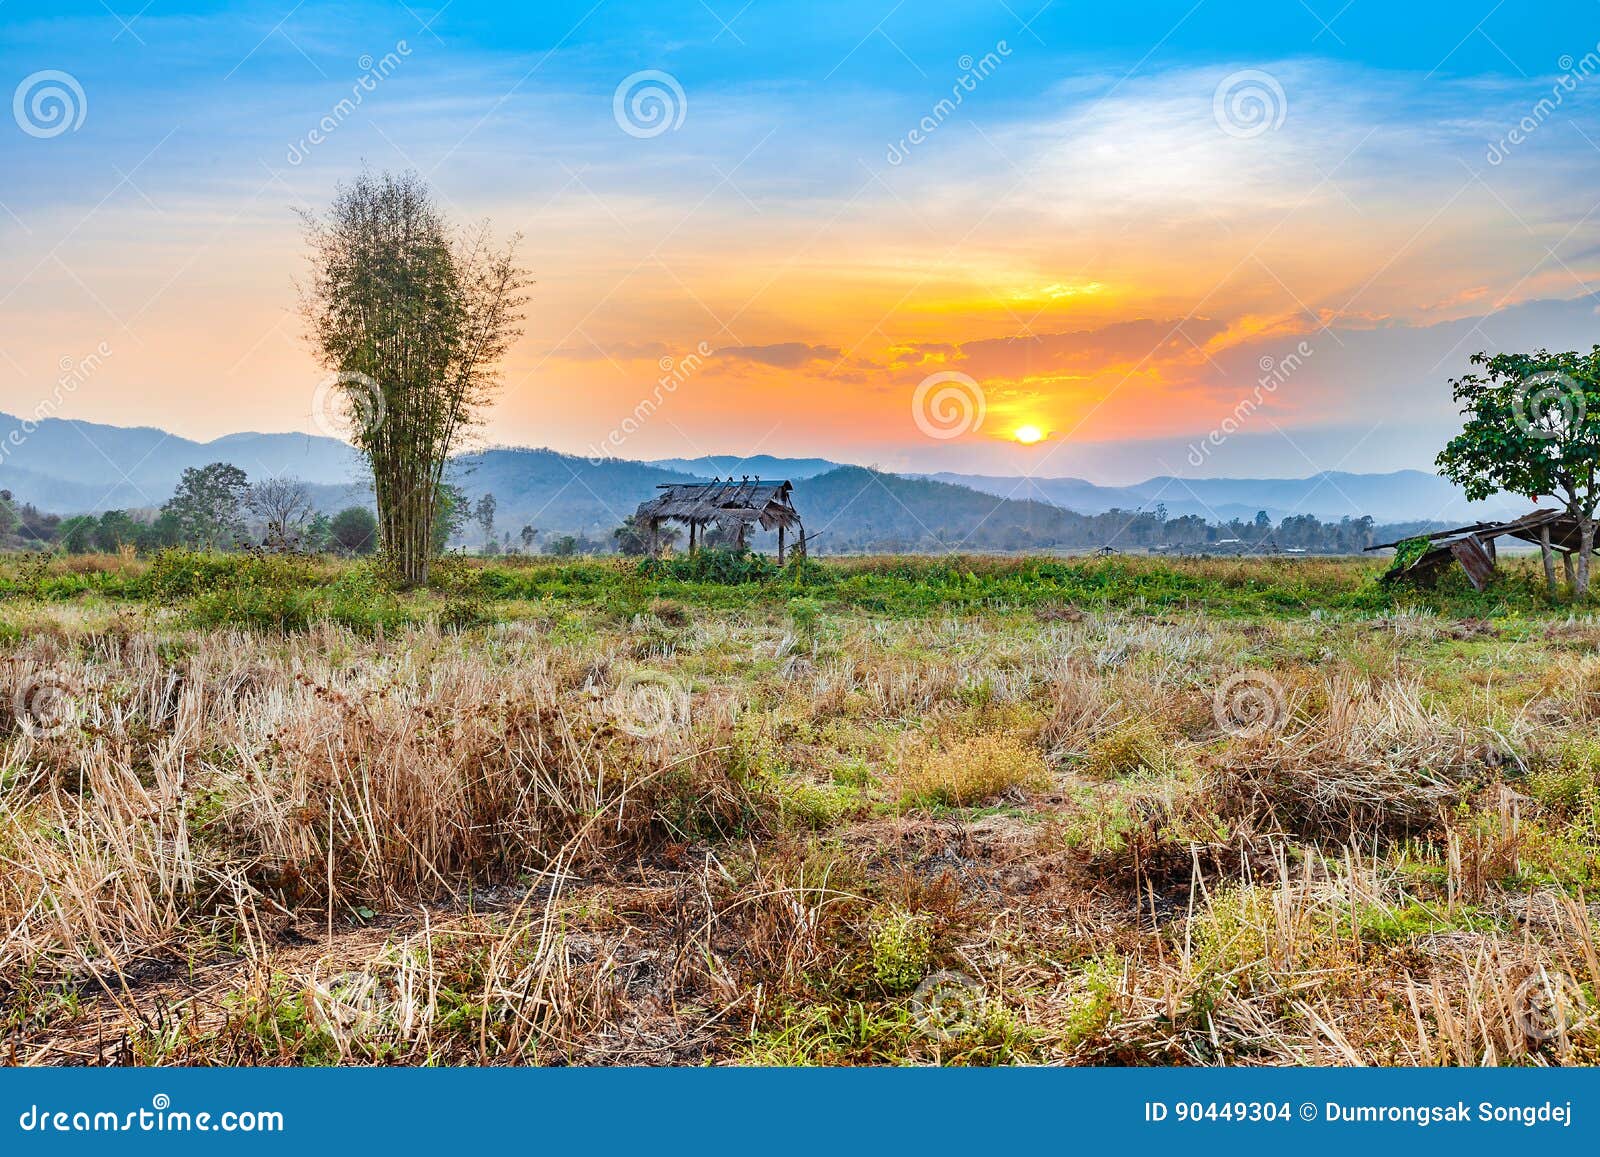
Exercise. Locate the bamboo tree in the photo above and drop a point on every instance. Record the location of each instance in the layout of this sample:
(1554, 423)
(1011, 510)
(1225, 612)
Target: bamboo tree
(413, 318)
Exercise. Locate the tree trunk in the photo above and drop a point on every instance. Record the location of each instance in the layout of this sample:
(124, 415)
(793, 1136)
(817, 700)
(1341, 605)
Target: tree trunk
(1549, 558)
(1585, 549)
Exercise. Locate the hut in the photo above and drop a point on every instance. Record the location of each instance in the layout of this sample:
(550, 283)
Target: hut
(732, 504)
(1474, 549)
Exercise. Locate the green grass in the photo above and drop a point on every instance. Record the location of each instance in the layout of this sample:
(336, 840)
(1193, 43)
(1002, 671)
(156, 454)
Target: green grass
(278, 593)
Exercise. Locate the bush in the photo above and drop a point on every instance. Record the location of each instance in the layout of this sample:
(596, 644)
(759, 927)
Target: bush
(902, 949)
(970, 771)
(712, 566)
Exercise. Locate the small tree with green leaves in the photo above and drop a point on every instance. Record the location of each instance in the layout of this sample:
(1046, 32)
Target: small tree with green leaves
(354, 530)
(206, 504)
(1532, 428)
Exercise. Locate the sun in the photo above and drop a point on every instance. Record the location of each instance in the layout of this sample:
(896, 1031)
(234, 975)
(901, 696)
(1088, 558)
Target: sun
(1028, 435)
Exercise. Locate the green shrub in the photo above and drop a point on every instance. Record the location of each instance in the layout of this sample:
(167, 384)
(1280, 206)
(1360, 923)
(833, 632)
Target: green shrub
(712, 566)
(902, 949)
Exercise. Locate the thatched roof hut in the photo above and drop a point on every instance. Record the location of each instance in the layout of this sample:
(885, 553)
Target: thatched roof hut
(732, 504)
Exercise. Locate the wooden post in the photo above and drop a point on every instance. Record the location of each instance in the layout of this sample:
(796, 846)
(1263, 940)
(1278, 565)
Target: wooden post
(1567, 566)
(1549, 558)
(655, 545)
(780, 544)
(692, 525)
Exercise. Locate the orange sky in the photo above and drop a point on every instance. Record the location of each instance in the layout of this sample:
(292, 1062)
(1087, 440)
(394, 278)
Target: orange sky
(1108, 271)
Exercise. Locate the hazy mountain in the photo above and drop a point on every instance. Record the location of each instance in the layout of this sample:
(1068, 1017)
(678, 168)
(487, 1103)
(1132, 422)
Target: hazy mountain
(757, 466)
(68, 466)
(1400, 496)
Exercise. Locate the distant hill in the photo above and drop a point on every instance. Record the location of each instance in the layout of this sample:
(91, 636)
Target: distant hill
(69, 467)
(757, 466)
(1403, 495)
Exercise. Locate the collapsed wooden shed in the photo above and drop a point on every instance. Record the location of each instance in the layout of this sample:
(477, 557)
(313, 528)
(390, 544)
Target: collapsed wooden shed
(1473, 548)
(733, 505)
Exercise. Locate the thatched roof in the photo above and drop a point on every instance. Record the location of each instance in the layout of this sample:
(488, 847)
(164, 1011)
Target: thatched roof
(745, 500)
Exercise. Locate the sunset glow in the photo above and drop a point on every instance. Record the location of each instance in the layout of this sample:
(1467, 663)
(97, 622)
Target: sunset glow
(1090, 238)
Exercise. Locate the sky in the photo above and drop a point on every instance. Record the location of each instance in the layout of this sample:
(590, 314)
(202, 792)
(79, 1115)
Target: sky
(1005, 236)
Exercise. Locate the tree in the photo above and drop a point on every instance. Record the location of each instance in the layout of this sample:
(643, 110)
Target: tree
(1532, 427)
(206, 504)
(483, 512)
(76, 534)
(115, 530)
(527, 538)
(449, 514)
(633, 539)
(564, 547)
(354, 530)
(319, 532)
(283, 505)
(412, 317)
(157, 535)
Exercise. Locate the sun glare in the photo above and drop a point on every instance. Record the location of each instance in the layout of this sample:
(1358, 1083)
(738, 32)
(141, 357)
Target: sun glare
(1027, 435)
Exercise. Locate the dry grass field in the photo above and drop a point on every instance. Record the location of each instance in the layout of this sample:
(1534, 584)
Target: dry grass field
(866, 812)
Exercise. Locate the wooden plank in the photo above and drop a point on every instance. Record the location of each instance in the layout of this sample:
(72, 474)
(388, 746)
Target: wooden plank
(1475, 560)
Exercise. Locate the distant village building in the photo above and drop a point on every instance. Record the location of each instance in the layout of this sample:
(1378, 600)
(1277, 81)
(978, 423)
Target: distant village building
(733, 505)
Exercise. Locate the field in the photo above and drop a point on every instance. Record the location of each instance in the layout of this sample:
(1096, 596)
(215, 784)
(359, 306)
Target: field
(869, 811)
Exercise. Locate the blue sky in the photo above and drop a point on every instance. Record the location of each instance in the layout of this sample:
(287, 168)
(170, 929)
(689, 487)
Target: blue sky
(1086, 197)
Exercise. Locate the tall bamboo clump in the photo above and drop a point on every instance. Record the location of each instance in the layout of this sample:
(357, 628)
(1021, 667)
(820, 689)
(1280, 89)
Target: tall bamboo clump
(411, 319)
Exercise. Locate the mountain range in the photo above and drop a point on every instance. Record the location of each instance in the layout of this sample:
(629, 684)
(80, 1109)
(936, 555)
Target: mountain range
(67, 467)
